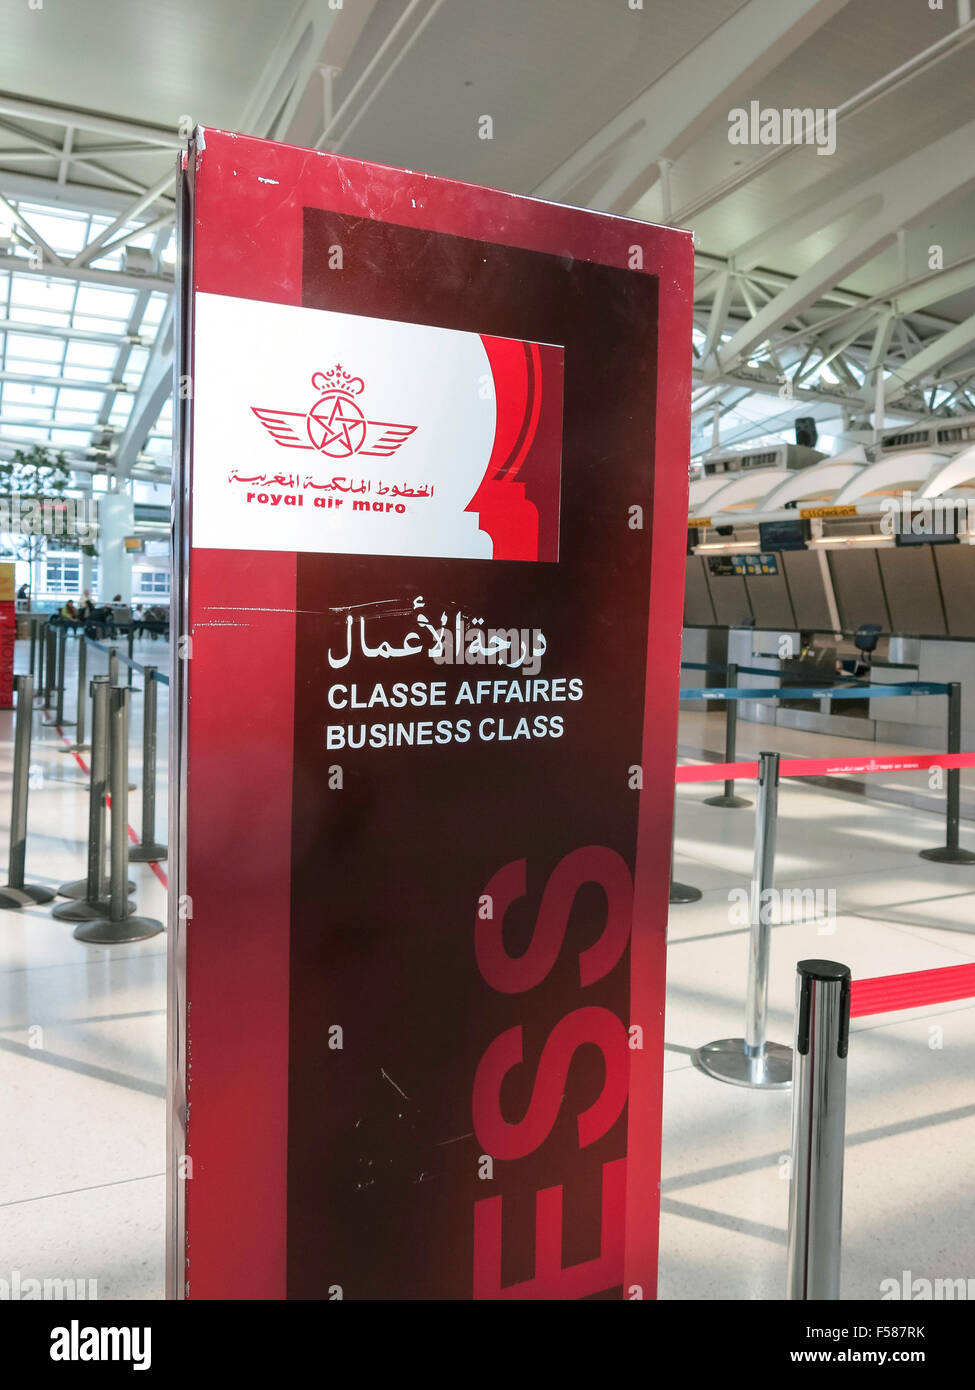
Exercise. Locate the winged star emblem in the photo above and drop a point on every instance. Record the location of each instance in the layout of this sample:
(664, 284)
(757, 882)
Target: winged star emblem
(334, 425)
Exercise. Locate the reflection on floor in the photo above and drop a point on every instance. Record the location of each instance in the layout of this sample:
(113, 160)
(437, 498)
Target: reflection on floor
(82, 1034)
(910, 1159)
(82, 1037)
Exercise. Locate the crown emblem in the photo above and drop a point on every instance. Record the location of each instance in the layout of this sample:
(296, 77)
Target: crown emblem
(339, 380)
(335, 424)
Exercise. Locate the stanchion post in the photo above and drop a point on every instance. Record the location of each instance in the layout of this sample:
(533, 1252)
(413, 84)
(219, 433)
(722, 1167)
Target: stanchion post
(727, 798)
(148, 851)
(41, 645)
(88, 896)
(33, 643)
(50, 666)
(79, 746)
(113, 666)
(818, 1130)
(62, 659)
(951, 852)
(680, 892)
(684, 892)
(751, 1060)
(120, 925)
(131, 647)
(16, 893)
(43, 678)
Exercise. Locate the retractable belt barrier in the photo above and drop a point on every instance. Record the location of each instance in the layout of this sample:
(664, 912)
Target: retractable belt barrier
(126, 660)
(824, 767)
(826, 1000)
(118, 924)
(885, 994)
(723, 666)
(952, 760)
(99, 902)
(858, 691)
(821, 1044)
(17, 893)
(145, 850)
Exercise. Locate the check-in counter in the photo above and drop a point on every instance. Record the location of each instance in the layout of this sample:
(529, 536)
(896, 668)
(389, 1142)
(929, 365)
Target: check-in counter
(921, 595)
(905, 712)
(917, 721)
(704, 646)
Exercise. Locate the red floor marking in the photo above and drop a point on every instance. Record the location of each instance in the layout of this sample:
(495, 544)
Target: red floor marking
(887, 993)
(715, 772)
(815, 767)
(160, 873)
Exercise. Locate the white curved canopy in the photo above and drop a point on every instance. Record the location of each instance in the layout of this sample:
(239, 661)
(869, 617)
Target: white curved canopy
(911, 467)
(745, 487)
(856, 453)
(960, 469)
(703, 488)
(819, 481)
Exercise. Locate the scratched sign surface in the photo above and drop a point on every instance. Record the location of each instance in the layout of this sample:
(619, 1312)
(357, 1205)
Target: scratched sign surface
(432, 499)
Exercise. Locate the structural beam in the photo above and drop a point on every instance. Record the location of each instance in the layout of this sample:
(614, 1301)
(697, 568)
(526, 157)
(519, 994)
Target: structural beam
(932, 356)
(135, 210)
(124, 279)
(154, 388)
(47, 114)
(895, 197)
(60, 383)
(621, 161)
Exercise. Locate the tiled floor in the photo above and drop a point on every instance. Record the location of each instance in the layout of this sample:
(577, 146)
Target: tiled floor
(82, 1032)
(910, 1162)
(82, 1041)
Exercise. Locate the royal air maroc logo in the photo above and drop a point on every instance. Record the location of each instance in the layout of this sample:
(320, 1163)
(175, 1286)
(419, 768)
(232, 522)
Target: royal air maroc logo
(334, 425)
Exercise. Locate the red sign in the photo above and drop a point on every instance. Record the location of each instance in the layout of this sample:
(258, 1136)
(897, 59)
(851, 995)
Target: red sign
(8, 631)
(431, 506)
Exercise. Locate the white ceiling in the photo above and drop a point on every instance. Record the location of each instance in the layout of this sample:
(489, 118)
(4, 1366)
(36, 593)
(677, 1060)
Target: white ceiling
(145, 60)
(92, 95)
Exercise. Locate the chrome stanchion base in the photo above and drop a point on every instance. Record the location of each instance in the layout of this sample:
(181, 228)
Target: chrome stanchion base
(945, 854)
(20, 897)
(79, 888)
(76, 748)
(81, 910)
(147, 854)
(105, 932)
(731, 803)
(726, 1060)
(684, 893)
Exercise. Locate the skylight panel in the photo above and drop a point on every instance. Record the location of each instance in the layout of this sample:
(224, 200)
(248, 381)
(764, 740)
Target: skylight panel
(77, 400)
(102, 375)
(40, 293)
(84, 354)
(65, 233)
(105, 302)
(37, 349)
(70, 439)
(44, 318)
(21, 392)
(14, 413)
